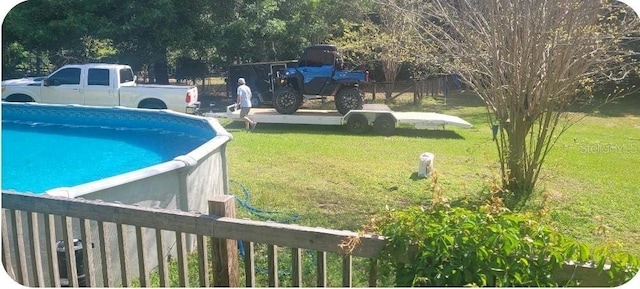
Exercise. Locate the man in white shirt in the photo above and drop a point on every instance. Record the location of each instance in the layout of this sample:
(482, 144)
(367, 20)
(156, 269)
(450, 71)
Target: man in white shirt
(244, 102)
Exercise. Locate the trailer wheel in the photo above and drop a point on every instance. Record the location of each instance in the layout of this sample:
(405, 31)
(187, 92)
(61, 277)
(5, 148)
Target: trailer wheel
(358, 124)
(348, 99)
(286, 100)
(384, 124)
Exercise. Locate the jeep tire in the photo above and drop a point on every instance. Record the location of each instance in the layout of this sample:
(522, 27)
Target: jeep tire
(286, 100)
(348, 98)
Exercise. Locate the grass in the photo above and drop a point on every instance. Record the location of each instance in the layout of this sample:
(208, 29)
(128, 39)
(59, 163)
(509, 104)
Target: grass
(330, 178)
(334, 179)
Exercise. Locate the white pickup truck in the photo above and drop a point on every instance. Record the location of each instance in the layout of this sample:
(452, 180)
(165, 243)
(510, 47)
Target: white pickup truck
(100, 84)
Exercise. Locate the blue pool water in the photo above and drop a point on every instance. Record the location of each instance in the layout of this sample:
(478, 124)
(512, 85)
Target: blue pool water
(39, 156)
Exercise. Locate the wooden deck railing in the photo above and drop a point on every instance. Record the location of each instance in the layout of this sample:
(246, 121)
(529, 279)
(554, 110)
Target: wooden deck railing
(29, 222)
(34, 226)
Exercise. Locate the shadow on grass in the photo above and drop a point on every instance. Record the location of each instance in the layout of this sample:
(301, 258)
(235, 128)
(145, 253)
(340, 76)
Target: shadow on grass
(629, 105)
(439, 103)
(414, 177)
(271, 128)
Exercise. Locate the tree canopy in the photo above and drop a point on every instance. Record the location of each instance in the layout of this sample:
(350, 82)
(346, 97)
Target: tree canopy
(151, 35)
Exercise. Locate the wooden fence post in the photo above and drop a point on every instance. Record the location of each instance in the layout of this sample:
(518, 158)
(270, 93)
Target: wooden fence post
(416, 92)
(224, 251)
(374, 91)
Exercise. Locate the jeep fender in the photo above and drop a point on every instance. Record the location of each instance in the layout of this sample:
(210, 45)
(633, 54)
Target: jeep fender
(295, 81)
(348, 81)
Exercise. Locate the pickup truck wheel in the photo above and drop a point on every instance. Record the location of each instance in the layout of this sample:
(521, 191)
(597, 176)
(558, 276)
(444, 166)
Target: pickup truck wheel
(286, 100)
(384, 124)
(19, 98)
(152, 104)
(348, 99)
(358, 124)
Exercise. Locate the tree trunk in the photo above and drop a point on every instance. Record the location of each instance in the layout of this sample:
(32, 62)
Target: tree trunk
(161, 73)
(515, 178)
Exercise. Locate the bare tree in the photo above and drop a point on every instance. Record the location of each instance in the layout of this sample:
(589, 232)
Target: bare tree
(529, 60)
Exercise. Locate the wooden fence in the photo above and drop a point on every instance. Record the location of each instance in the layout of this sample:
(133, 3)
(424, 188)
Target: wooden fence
(30, 222)
(435, 85)
(219, 230)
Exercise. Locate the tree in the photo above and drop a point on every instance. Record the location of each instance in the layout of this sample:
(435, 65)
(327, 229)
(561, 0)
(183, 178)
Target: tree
(529, 61)
(384, 37)
(147, 31)
(250, 31)
(60, 31)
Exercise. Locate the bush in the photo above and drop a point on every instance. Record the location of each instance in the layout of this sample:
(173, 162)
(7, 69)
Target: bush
(488, 246)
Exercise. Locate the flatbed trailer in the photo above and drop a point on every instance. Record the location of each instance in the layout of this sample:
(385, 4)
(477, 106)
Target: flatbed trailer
(377, 116)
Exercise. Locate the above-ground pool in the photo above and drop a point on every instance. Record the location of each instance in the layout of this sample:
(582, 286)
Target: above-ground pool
(151, 158)
(40, 153)
(78, 150)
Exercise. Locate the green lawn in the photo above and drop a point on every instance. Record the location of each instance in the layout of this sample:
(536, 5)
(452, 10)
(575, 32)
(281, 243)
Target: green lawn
(334, 179)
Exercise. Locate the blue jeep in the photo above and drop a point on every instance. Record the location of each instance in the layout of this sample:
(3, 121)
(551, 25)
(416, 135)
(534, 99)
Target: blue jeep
(318, 74)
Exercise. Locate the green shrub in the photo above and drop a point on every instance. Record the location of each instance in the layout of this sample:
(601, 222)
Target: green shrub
(489, 246)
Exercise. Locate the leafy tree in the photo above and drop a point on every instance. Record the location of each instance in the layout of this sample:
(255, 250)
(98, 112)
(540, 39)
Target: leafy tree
(251, 31)
(529, 61)
(59, 31)
(385, 37)
(147, 31)
(153, 36)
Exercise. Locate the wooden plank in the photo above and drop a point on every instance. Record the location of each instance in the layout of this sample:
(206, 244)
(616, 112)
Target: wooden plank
(274, 278)
(142, 273)
(225, 250)
(6, 251)
(284, 235)
(87, 253)
(123, 256)
(347, 264)
(163, 270)
(203, 262)
(34, 249)
(107, 212)
(249, 264)
(18, 247)
(296, 272)
(183, 273)
(50, 247)
(373, 272)
(105, 254)
(69, 252)
(321, 268)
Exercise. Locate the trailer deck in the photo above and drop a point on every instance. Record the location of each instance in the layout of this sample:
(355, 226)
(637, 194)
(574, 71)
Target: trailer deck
(380, 116)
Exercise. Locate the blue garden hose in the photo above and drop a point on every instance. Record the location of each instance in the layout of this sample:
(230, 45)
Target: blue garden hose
(274, 216)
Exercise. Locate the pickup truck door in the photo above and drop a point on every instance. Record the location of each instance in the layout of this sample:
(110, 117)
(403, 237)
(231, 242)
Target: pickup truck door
(63, 87)
(101, 87)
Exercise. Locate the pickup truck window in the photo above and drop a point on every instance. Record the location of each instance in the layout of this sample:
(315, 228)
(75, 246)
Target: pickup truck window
(98, 77)
(126, 75)
(66, 76)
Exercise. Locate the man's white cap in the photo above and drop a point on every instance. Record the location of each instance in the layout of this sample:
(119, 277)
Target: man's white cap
(241, 80)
